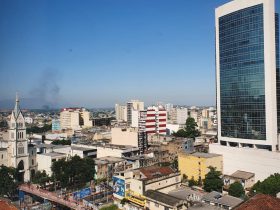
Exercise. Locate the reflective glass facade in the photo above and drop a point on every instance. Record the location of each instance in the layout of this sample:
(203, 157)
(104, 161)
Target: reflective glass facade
(277, 69)
(242, 85)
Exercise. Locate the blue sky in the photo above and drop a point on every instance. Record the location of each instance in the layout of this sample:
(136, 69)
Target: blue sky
(96, 53)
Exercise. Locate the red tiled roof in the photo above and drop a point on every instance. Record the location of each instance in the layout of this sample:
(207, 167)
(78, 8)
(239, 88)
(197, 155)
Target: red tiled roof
(6, 206)
(261, 202)
(156, 171)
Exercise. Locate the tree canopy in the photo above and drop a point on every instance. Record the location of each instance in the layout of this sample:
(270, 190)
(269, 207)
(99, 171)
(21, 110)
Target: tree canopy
(190, 130)
(112, 207)
(36, 129)
(270, 185)
(61, 142)
(74, 171)
(8, 183)
(236, 189)
(41, 177)
(213, 180)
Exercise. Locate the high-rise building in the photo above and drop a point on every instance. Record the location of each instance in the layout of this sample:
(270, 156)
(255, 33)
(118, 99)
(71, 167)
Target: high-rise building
(247, 75)
(155, 120)
(75, 118)
(121, 112)
(133, 105)
(247, 63)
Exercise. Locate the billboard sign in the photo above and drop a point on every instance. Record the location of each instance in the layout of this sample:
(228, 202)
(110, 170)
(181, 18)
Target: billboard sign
(119, 186)
(82, 193)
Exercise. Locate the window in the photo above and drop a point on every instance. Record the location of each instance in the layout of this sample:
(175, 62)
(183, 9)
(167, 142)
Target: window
(2, 156)
(156, 205)
(21, 150)
(32, 162)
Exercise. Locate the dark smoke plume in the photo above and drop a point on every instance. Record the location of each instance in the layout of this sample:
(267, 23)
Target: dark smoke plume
(46, 88)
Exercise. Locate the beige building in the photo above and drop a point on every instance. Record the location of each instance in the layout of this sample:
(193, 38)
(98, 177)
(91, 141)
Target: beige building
(75, 118)
(138, 181)
(247, 179)
(125, 136)
(133, 105)
(121, 112)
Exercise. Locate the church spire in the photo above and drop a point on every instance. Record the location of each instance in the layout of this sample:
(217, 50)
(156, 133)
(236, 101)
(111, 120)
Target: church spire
(17, 109)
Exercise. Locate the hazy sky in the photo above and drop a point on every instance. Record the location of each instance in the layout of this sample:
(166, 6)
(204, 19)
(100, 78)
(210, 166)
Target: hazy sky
(97, 53)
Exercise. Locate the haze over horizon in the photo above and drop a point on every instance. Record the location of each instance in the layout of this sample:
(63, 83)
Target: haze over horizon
(98, 53)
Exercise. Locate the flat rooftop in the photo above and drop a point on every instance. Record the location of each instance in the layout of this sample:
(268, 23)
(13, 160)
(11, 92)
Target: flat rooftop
(81, 148)
(204, 155)
(163, 198)
(53, 154)
(227, 200)
(47, 146)
(184, 193)
(242, 175)
(108, 159)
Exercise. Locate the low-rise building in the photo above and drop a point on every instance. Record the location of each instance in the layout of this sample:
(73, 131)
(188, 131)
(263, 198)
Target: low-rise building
(156, 200)
(196, 165)
(247, 179)
(188, 194)
(260, 202)
(223, 201)
(106, 166)
(71, 151)
(125, 136)
(104, 150)
(45, 160)
(136, 182)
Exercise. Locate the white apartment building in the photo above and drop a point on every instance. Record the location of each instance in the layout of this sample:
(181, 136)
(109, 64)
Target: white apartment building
(121, 112)
(133, 105)
(154, 120)
(75, 118)
(179, 115)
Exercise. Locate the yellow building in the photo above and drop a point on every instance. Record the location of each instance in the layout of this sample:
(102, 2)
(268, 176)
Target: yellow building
(196, 165)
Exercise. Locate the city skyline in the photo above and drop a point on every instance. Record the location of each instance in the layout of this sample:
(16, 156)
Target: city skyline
(97, 53)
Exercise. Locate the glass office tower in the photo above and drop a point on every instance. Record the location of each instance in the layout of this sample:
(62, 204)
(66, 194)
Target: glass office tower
(247, 65)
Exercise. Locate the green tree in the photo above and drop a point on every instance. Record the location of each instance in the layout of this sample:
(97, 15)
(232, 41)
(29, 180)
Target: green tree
(184, 178)
(41, 178)
(190, 130)
(174, 164)
(61, 142)
(192, 182)
(74, 172)
(112, 207)
(270, 185)
(180, 133)
(8, 183)
(36, 129)
(213, 180)
(236, 189)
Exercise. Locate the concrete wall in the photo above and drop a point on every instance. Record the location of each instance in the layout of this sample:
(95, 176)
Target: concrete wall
(193, 166)
(3, 157)
(261, 162)
(127, 136)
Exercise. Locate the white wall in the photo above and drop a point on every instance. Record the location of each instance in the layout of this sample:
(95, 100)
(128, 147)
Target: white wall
(261, 162)
(44, 163)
